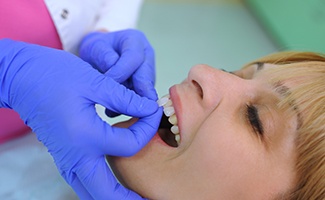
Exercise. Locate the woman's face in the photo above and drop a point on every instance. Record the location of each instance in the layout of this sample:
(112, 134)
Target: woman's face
(235, 142)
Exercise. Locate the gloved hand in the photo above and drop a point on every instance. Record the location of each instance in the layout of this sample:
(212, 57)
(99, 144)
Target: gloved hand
(55, 94)
(126, 56)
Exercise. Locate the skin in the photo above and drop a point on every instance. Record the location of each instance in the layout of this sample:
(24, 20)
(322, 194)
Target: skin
(221, 156)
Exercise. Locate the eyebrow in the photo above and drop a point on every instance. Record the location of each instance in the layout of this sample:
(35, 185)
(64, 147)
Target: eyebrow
(284, 91)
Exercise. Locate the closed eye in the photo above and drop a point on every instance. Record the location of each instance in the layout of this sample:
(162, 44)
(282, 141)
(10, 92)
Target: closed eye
(254, 119)
(227, 71)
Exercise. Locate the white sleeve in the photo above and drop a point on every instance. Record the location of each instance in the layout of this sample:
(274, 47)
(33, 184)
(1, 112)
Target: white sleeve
(74, 19)
(118, 14)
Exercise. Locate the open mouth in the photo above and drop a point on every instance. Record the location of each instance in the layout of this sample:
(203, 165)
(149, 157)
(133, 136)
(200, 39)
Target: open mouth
(165, 133)
(168, 128)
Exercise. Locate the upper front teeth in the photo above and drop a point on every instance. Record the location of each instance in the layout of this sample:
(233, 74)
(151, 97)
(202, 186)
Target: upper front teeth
(169, 111)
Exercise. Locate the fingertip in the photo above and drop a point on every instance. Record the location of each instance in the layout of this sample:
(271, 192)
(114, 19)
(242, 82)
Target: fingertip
(129, 61)
(145, 128)
(144, 108)
(148, 107)
(146, 89)
(108, 60)
(128, 141)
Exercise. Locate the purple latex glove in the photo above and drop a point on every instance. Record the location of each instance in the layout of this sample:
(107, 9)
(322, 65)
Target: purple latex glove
(55, 94)
(126, 56)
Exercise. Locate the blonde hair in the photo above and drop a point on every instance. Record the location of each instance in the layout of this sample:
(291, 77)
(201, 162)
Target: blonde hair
(307, 71)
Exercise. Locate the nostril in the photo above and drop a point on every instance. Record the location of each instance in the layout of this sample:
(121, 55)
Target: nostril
(198, 88)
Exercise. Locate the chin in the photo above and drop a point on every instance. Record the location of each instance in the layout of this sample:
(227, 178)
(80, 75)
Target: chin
(139, 172)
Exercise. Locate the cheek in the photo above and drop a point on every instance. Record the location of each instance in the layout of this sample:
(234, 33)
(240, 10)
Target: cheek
(191, 119)
(221, 150)
(223, 159)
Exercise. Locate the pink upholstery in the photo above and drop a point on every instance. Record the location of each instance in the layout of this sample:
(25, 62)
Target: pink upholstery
(27, 21)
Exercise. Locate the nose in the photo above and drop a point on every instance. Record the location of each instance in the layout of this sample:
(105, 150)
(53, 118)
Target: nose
(212, 84)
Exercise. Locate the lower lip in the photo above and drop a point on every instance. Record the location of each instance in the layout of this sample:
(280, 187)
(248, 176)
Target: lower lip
(156, 139)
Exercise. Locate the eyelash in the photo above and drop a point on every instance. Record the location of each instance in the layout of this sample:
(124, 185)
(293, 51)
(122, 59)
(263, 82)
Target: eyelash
(227, 71)
(254, 119)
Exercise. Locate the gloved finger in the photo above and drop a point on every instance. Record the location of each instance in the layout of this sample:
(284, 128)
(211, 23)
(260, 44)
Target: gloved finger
(102, 184)
(144, 127)
(119, 99)
(99, 54)
(131, 57)
(106, 59)
(128, 84)
(127, 141)
(79, 188)
(144, 78)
